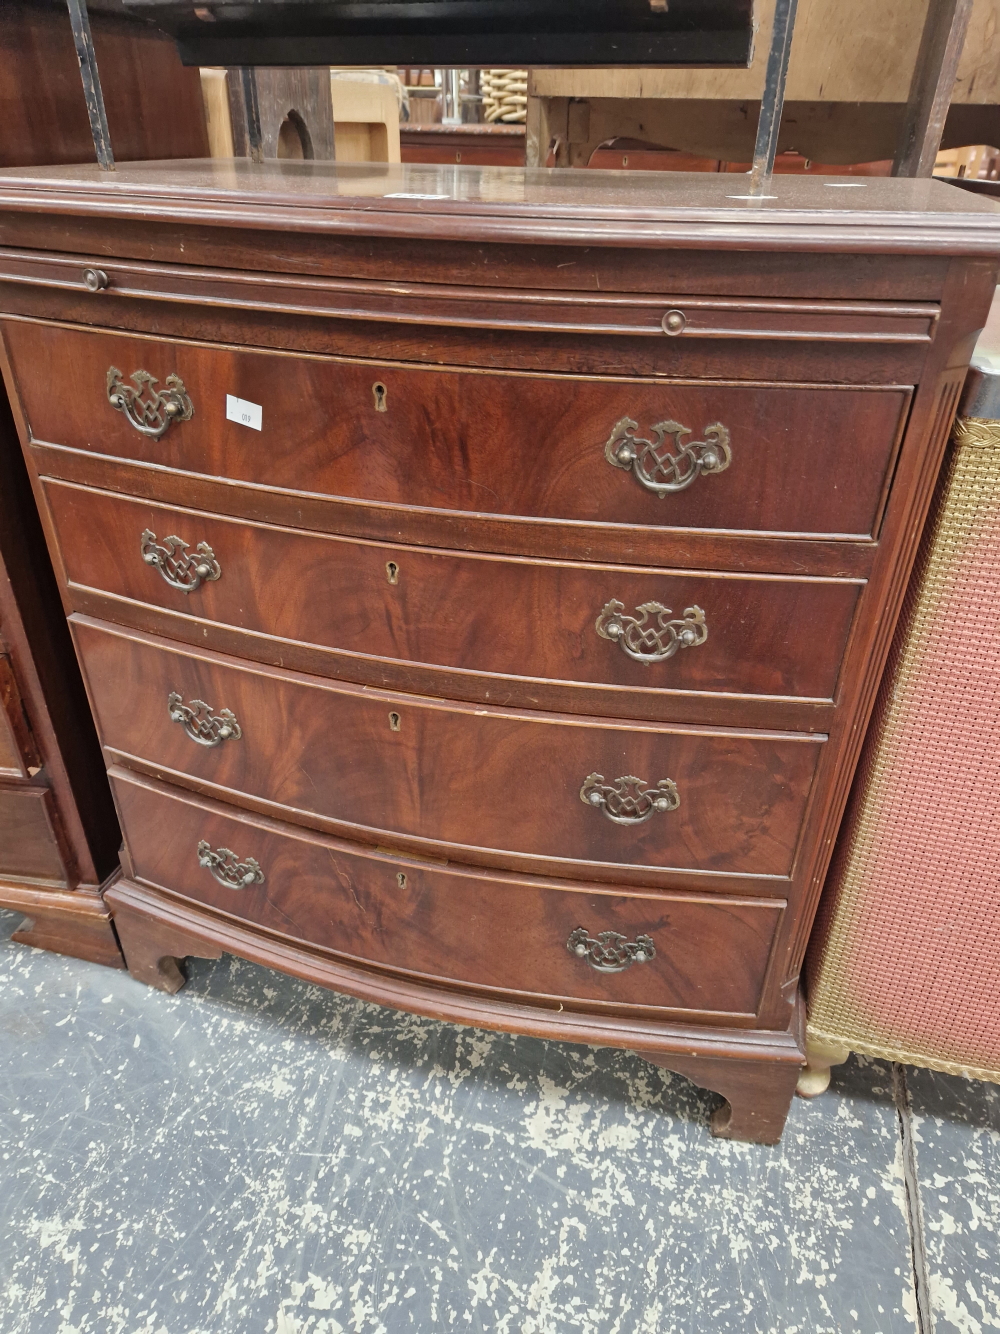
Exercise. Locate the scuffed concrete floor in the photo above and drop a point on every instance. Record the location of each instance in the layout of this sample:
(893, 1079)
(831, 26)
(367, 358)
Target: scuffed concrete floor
(258, 1156)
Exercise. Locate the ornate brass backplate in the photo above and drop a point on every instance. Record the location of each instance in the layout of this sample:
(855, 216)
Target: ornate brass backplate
(629, 800)
(178, 568)
(610, 952)
(149, 410)
(648, 640)
(201, 724)
(227, 867)
(663, 465)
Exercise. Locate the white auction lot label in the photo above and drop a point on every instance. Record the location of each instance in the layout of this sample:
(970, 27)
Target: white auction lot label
(243, 411)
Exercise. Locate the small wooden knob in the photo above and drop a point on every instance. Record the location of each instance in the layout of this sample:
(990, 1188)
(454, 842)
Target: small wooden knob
(674, 322)
(95, 280)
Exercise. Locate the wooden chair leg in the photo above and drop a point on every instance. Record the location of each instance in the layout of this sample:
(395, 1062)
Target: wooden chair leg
(758, 1093)
(815, 1077)
(154, 950)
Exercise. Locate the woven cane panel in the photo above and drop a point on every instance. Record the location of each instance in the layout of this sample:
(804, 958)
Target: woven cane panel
(505, 95)
(905, 960)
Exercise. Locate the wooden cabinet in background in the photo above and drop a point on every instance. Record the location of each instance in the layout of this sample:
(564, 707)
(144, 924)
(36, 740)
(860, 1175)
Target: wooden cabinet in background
(153, 104)
(471, 145)
(59, 837)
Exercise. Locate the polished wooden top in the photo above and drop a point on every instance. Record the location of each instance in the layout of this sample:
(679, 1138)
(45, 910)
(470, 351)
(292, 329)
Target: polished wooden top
(538, 205)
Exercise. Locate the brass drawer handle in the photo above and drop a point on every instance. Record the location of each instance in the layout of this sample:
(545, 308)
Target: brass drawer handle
(227, 867)
(149, 410)
(629, 800)
(664, 466)
(179, 569)
(610, 952)
(201, 724)
(646, 640)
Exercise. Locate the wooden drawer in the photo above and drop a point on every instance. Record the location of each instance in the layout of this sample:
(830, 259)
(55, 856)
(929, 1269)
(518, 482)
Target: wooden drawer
(488, 932)
(618, 309)
(805, 460)
(466, 782)
(481, 617)
(19, 756)
(29, 849)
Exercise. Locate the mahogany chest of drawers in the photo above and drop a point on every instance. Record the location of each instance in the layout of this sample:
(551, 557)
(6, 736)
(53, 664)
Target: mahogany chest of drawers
(481, 577)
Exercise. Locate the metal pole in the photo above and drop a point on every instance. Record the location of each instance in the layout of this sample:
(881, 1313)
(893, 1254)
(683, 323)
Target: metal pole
(452, 97)
(93, 96)
(251, 106)
(931, 87)
(774, 96)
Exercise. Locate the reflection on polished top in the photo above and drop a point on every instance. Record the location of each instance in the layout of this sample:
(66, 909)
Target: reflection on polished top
(949, 220)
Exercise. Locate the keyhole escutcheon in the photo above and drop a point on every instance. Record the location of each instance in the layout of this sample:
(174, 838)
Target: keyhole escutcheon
(392, 571)
(381, 396)
(395, 722)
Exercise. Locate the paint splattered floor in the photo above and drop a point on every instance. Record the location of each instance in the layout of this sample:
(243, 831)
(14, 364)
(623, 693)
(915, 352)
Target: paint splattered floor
(257, 1156)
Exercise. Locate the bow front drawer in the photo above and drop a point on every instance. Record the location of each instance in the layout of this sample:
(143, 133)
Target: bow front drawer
(468, 782)
(620, 640)
(786, 459)
(484, 931)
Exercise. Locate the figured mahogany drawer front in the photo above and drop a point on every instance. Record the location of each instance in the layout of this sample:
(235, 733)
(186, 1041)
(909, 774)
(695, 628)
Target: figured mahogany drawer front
(472, 779)
(520, 935)
(28, 846)
(508, 617)
(770, 458)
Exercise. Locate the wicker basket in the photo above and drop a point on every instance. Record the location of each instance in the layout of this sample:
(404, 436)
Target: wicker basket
(905, 958)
